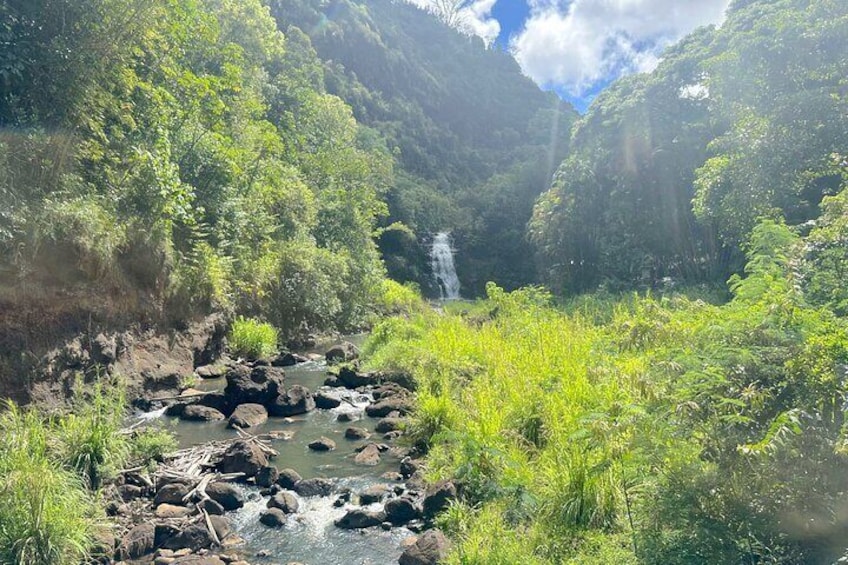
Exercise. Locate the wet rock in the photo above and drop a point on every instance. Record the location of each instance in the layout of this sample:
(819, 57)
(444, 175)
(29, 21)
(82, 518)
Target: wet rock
(437, 497)
(314, 487)
(260, 385)
(326, 401)
(200, 413)
(248, 416)
(386, 406)
(267, 476)
(369, 456)
(408, 466)
(211, 507)
(216, 400)
(194, 537)
(198, 560)
(137, 543)
(358, 518)
(356, 433)
(166, 511)
(172, 493)
(350, 378)
(387, 425)
(293, 402)
(284, 501)
(430, 548)
(322, 444)
(242, 457)
(288, 478)
(333, 381)
(342, 353)
(273, 518)
(347, 417)
(225, 494)
(372, 494)
(401, 510)
(288, 359)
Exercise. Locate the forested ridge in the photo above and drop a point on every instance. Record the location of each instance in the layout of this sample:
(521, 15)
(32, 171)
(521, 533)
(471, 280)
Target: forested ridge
(656, 368)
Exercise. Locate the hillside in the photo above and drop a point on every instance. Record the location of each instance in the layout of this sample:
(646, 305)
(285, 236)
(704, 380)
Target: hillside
(475, 141)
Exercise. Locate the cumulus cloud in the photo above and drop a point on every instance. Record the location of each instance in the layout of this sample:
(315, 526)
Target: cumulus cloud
(574, 45)
(473, 17)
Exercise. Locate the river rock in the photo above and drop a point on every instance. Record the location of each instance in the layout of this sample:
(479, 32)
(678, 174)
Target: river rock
(326, 401)
(386, 406)
(130, 492)
(198, 560)
(166, 511)
(200, 413)
(295, 401)
(353, 379)
(372, 494)
(172, 493)
(359, 518)
(222, 526)
(284, 501)
(369, 456)
(430, 548)
(248, 416)
(409, 466)
(342, 353)
(356, 433)
(347, 417)
(216, 400)
(288, 359)
(288, 478)
(214, 371)
(273, 518)
(437, 497)
(243, 457)
(267, 476)
(211, 507)
(387, 425)
(194, 537)
(137, 543)
(225, 494)
(314, 487)
(401, 510)
(260, 385)
(322, 444)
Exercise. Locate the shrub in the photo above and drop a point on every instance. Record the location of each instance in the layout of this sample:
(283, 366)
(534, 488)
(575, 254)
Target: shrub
(253, 339)
(151, 444)
(396, 298)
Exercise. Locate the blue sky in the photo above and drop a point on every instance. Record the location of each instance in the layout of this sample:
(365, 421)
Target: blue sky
(577, 47)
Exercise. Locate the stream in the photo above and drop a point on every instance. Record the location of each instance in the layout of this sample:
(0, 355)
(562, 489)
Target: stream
(311, 537)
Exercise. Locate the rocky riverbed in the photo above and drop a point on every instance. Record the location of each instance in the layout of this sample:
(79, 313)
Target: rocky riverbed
(288, 460)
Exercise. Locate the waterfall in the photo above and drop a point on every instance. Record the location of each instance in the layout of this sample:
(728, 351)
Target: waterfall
(441, 256)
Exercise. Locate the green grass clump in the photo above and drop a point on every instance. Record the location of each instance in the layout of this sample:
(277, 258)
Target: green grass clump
(253, 339)
(46, 513)
(151, 444)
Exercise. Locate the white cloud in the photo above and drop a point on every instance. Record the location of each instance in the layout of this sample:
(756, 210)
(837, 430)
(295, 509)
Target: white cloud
(473, 17)
(574, 45)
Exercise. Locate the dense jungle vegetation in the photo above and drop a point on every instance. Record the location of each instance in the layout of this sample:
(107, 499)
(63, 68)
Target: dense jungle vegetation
(674, 393)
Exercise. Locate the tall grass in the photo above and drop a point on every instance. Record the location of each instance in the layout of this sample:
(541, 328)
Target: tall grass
(46, 514)
(253, 339)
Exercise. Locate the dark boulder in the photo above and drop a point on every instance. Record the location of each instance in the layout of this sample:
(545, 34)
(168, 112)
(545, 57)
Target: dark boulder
(401, 510)
(293, 402)
(387, 425)
(369, 456)
(227, 495)
(322, 444)
(248, 416)
(200, 413)
(288, 478)
(273, 518)
(314, 487)
(342, 353)
(267, 476)
(326, 401)
(172, 493)
(243, 457)
(438, 497)
(430, 548)
(194, 537)
(260, 385)
(386, 406)
(359, 518)
(284, 501)
(372, 494)
(356, 433)
(138, 542)
(350, 378)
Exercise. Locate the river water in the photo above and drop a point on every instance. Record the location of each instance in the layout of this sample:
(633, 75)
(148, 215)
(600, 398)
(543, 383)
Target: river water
(310, 537)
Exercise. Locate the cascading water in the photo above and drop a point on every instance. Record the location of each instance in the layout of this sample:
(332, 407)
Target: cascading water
(441, 257)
